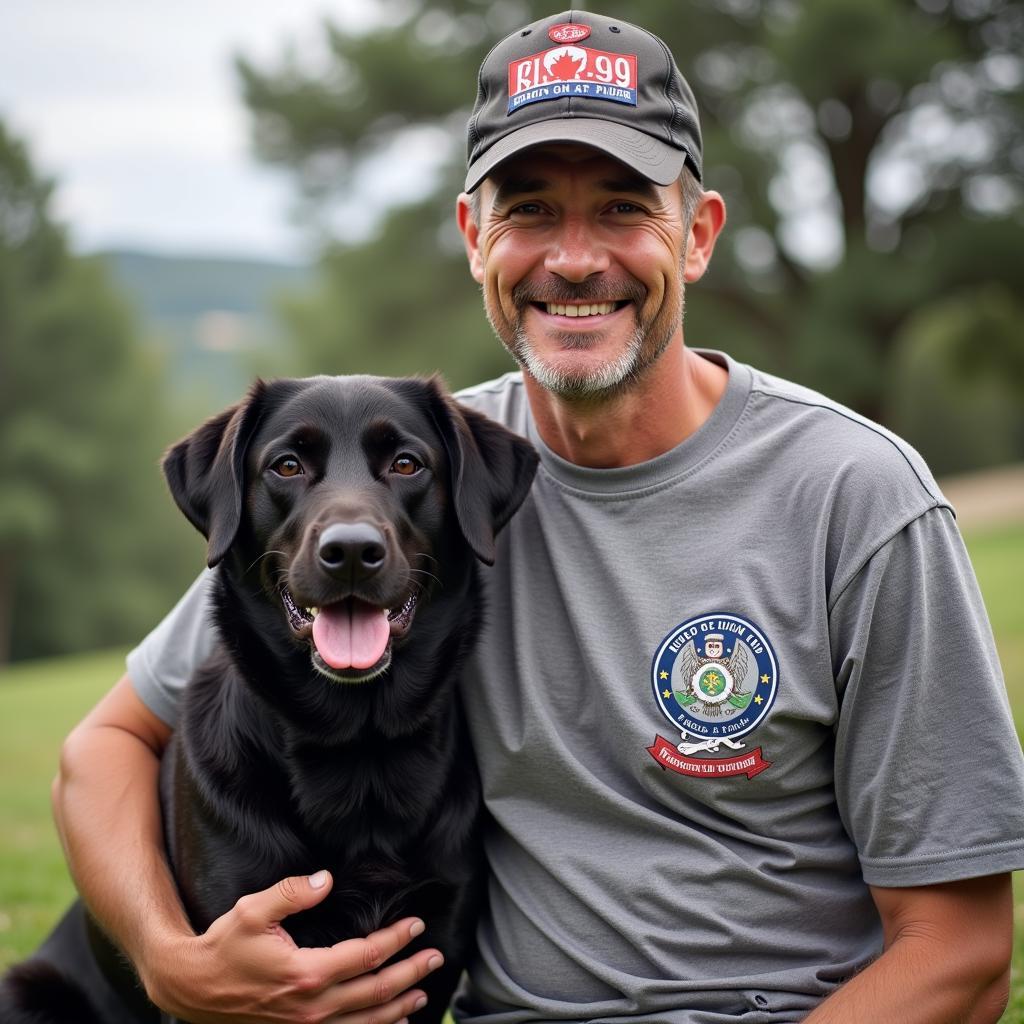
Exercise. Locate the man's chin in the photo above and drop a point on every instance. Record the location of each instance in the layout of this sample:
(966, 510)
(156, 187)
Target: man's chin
(579, 374)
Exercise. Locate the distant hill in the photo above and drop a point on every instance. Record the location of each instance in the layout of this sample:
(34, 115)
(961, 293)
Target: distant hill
(210, 320)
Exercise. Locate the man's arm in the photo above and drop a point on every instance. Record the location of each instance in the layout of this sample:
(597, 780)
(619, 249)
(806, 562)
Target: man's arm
(946, 958)
(244, 968)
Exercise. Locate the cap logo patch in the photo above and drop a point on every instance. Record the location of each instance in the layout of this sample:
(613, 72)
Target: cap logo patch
(568, 33)
(575, 72)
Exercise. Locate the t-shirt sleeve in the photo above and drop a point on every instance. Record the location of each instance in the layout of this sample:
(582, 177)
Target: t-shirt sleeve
(163, 663)
(928, 767)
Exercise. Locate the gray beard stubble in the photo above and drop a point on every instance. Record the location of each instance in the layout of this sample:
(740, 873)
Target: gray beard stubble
(614, 378)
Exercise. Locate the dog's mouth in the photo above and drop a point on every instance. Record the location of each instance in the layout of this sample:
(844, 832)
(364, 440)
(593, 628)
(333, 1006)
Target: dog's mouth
(351, 640)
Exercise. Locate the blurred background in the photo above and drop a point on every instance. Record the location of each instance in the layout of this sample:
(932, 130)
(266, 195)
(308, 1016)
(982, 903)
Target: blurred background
(190, 195)
(193, 194)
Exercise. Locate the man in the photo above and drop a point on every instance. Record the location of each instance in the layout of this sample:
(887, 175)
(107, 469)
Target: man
(821, 832)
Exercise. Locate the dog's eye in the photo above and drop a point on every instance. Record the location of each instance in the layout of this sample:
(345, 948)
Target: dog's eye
(406, 465)
(287, 467)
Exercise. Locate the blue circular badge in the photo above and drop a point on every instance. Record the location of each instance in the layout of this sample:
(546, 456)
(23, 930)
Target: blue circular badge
(715, 676)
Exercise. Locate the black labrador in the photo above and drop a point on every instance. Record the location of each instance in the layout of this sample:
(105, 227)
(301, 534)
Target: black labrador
(345, 516)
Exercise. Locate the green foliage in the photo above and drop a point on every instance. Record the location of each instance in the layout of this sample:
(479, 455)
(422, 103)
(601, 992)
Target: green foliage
(957, 386)
(88, 543)
(420, 316)
(893, 128)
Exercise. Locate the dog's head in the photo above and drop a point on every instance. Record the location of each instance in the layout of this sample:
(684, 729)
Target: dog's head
(348, 497)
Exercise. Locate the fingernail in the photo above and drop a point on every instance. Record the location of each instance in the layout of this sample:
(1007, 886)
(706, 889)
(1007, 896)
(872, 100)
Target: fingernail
(420, 1003)
(319, 880)
(417, 928)
(434, 962)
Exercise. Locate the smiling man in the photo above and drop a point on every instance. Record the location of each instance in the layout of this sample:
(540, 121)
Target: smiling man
(790, 833)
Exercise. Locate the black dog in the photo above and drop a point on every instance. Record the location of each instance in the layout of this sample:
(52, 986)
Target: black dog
(345, 516)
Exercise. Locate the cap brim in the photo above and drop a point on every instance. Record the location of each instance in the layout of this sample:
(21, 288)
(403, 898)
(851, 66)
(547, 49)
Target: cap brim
(656, 161)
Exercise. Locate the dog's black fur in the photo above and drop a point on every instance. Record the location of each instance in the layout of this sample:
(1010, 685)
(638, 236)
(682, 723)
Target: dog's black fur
(309, 495)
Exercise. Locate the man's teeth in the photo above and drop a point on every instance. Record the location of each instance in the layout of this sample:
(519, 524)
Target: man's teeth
(594, 309)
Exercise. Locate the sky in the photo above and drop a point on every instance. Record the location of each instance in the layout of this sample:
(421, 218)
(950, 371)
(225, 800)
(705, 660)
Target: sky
(134, 109)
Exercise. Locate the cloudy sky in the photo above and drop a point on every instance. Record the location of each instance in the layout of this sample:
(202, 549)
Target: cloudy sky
(134, 109)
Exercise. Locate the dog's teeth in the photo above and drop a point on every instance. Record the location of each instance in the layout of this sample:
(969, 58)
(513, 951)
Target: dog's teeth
(312, 612)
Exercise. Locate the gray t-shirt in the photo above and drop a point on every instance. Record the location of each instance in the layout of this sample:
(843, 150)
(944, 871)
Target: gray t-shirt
(717, 693)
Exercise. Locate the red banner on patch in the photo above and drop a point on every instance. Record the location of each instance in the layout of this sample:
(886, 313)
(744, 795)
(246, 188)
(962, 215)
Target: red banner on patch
(666, 754)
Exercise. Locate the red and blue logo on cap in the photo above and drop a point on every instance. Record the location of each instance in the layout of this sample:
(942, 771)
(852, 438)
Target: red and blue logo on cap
(574, 72)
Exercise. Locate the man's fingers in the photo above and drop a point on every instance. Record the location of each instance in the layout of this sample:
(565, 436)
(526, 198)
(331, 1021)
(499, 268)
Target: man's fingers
(388, 984)
(258, 910)
(352, 957)
(397, 1011)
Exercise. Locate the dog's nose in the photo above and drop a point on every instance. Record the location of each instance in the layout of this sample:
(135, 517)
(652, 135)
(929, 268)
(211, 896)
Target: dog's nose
(352, 550)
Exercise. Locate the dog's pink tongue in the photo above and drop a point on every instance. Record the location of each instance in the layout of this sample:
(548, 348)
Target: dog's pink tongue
(351, 634)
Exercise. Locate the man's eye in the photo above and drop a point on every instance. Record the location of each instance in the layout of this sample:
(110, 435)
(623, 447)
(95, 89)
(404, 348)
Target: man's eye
(625, 207)
(526, 210)
(287, 466)
(406, 465)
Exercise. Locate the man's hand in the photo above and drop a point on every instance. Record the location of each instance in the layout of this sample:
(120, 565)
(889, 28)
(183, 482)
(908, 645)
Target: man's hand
(247, 970)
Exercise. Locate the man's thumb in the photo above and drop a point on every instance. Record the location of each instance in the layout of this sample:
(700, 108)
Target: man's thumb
(290, 895)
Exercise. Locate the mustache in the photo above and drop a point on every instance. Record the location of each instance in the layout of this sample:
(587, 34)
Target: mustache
(557, 289)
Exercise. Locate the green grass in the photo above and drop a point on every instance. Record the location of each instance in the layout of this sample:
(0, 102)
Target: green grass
(40, 701)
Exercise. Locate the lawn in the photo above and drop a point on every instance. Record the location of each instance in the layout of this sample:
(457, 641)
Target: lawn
(40, 701)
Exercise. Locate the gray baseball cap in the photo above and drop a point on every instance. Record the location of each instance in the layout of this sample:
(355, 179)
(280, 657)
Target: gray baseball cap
(580, 77)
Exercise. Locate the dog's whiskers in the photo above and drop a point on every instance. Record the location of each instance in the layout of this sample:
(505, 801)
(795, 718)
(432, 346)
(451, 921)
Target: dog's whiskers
(264, 555)
(423, 572)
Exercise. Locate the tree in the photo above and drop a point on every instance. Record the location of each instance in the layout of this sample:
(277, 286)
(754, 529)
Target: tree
(870, 152)
(86, 555)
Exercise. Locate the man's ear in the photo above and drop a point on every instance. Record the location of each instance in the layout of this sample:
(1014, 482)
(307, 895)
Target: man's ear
(206, 471)
(708, 221)
(470, 231)
(491, 469)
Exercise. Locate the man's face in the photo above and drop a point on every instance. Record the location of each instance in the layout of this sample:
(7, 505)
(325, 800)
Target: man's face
(581, 262)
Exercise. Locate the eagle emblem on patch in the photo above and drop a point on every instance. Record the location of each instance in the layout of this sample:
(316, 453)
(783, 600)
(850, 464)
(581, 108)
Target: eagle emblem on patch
(715, 678)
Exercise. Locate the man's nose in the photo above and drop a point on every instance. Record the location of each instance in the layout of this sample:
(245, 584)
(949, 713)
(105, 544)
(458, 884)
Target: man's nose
(576, 252)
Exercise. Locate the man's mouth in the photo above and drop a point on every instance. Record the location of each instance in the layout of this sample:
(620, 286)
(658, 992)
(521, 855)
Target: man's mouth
(350, 640)
(581, 309)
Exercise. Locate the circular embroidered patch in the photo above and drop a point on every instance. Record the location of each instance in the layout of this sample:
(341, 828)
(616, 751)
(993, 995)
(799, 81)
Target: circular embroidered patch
(568, 33)
(715, 676)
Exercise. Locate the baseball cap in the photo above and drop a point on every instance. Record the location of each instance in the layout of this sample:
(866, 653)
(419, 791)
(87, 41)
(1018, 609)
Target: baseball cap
(585, 78)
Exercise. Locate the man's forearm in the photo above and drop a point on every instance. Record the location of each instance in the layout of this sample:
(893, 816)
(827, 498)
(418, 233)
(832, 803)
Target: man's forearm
(946, 959)
(107, 813)
(914, 986)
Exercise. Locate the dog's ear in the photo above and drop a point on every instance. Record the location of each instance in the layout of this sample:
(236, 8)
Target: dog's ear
(206, 471)
(491, 469)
